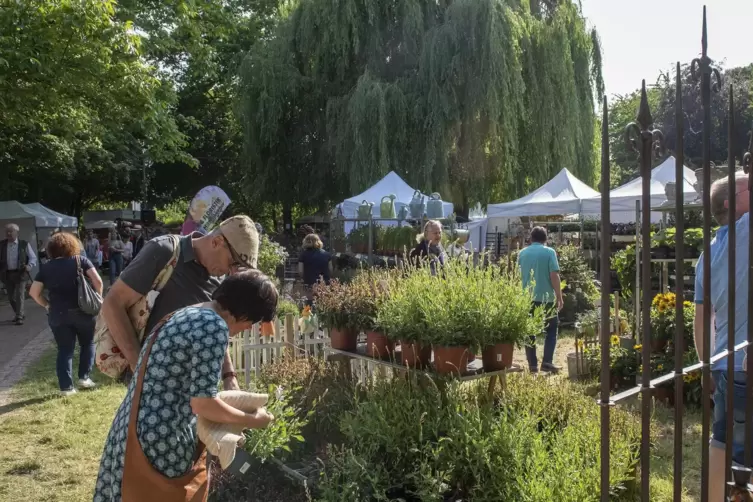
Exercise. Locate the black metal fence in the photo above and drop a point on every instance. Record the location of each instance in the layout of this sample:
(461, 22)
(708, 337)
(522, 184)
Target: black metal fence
(648, 142)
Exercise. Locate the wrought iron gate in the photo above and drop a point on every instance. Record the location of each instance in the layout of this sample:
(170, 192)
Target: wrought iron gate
(647, 142)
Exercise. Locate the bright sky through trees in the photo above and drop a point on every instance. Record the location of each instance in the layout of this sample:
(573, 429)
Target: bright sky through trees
(640, 38)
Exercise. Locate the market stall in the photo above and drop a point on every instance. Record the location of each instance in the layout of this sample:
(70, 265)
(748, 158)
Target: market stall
(622, 199)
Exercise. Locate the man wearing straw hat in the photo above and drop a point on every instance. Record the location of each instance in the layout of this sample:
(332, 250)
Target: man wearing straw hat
(201, 259)
(719, 250)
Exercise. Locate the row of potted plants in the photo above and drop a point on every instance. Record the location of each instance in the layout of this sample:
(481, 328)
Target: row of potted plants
(663, 243)
(454, 314)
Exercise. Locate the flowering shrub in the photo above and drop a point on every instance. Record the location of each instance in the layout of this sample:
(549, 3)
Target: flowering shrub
(271, 256)
(663, 318)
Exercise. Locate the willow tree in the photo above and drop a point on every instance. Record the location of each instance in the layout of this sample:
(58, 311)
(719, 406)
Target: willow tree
(478, 99)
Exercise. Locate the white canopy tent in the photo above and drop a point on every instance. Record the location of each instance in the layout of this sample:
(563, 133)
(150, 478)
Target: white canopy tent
(622, 199)
(47, 218)
(391, 184)
(561, 195)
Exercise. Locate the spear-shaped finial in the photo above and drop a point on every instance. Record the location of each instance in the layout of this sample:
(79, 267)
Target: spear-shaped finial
(644, 118)
(705, 36)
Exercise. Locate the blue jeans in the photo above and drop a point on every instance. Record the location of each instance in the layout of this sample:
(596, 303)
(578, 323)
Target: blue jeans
(116, 266)
(550, 342)
(73, 325)
(719, 430)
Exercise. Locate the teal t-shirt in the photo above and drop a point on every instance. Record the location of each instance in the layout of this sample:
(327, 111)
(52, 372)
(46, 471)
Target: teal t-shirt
(536, 262)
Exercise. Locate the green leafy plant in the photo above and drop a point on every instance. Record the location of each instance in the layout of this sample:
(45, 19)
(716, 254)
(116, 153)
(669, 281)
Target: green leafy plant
(271, 256)
(275, 439)
(359, 239)
(333, 304)
(285, 306)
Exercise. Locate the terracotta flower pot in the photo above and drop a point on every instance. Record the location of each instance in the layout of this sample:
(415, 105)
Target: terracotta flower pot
(343, 339)
(497, 357)
(378, 345)
(414, 355)
(449, 360)
(658, 346)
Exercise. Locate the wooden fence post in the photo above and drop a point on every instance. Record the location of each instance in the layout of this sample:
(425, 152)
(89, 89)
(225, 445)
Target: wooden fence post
(290, 348)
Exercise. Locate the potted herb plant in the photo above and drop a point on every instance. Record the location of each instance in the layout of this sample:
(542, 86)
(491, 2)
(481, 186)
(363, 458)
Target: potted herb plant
(367, 292)
(401, 318)
(333, 302)
(510, 321)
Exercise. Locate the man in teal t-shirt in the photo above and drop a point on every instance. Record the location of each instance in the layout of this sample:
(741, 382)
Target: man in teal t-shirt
(540, 270)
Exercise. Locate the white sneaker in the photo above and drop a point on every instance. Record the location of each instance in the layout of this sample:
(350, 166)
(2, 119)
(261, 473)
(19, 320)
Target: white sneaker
(86, 384)
(67, 393)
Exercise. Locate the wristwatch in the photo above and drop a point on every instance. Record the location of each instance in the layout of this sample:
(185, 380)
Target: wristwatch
(229, 374)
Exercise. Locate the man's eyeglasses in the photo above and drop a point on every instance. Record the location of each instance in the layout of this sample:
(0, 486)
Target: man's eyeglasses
(237, 261)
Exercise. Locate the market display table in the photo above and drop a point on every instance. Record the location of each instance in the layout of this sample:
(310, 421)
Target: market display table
(475, 369)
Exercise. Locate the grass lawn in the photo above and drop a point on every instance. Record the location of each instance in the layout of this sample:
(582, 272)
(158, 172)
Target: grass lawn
(52, 445)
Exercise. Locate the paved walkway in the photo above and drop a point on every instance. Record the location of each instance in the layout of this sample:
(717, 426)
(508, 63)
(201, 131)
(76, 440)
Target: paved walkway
(21, 345)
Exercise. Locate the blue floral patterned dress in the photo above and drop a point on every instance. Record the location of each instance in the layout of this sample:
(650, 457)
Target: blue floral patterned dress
(185, 362)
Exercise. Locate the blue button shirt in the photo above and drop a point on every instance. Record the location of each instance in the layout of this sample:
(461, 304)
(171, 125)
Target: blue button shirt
(536, 262)
(720, 287)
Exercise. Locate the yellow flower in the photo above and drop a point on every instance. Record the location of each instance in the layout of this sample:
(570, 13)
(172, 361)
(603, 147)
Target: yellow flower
(615, 340)
(580, 344)
(638, 346)
(660, 367)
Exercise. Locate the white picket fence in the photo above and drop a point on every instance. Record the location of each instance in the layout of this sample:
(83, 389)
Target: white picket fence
(250, 351)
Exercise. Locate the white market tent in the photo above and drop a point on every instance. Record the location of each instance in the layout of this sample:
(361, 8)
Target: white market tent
(47, 218)
(622, 199)
(392, 184)
(562, 194)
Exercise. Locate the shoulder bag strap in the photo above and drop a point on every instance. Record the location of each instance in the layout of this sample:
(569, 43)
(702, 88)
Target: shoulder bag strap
(167, 270)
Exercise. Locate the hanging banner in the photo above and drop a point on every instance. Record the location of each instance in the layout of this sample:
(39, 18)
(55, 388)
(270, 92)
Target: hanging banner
(205, 210)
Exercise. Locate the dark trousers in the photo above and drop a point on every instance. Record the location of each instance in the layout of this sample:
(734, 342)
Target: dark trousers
(70, 326)
(15, 285)
(550, 342)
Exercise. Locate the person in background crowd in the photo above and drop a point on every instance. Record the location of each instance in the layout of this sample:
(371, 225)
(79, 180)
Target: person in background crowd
(429, 246)
(42, 252)
(721, 329)
(538, 263)
(17, 258)
(138, 244)
(116, 257)
(127, 250)
(201, 259)
(67, 322)
(91, 245)
(314, 264)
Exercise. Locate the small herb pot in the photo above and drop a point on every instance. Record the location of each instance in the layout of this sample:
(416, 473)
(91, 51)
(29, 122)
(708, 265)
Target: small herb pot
(497, 357)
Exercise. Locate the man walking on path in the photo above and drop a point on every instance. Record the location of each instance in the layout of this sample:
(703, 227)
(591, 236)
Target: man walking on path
(538, 264)
(201, 260)
(17, 258)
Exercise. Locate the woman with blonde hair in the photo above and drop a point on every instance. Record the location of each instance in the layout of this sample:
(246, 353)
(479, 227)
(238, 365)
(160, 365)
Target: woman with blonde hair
(429, 246)
(314, 263)
(68, 322)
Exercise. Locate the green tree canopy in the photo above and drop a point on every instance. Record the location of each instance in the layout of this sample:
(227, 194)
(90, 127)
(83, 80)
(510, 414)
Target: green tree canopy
(79, 109)
(479, 99)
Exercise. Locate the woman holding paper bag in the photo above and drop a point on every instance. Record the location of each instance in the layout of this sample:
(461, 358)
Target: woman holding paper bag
(152, 452)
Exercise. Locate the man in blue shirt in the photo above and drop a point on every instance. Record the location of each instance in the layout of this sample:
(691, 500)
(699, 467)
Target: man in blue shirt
(540, 271)
(719, 250)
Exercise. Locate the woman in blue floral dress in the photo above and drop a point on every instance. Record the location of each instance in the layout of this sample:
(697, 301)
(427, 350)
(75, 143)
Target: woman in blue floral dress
(178, 375)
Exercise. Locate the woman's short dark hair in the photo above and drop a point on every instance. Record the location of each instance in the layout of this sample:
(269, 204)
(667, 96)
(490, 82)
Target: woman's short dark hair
(63, 245)
(538, 234)
(248, 296)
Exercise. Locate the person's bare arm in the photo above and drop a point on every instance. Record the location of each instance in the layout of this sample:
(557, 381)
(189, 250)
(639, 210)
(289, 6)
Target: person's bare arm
(115, 311)
(557, 285)
(230, 383)
(698, 330)
(95, 279)
(36, 293)
(216, 410)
